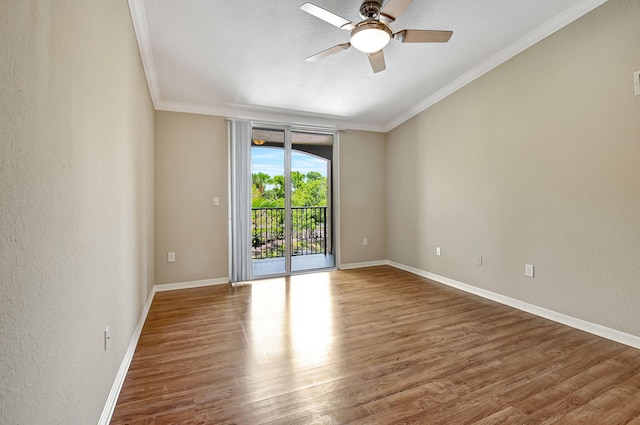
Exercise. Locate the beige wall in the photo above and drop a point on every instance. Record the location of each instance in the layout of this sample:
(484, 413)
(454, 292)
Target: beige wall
(191, 168)
(363, 209)
(535, 162)
(76, 205)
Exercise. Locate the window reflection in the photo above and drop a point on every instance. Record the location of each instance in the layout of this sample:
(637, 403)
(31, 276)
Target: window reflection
(311, 319)
(266, 327)
(291, 318)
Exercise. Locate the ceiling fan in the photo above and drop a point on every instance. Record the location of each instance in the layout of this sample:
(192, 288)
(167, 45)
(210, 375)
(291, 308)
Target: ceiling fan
(373, 33)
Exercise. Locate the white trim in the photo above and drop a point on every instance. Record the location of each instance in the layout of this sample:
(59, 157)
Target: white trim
(293, 118)
(139, 19)
(592, 328)
(583, 325)
(558, 22)
(163, 287)
(254, 113)
(112, 399)
(288, 214)
(350, 266)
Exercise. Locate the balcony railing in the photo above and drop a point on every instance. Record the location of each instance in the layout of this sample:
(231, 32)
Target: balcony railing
(308, 231)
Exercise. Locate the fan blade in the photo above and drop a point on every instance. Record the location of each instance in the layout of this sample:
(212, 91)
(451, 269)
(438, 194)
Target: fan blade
(330, 51)
(422, 36)
(376, 60)
(393, 9)
(327, 16)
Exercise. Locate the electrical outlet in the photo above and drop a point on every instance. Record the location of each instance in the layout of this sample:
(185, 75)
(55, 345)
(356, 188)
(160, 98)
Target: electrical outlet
(528, 270)
(365, 241)
(216, 201)
(479, 261)
(107, 338)
(437, 250)
(171, 257)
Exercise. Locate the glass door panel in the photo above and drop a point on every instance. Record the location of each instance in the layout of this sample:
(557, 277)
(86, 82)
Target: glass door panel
(311, 217)
(291, 215)
(268, 206)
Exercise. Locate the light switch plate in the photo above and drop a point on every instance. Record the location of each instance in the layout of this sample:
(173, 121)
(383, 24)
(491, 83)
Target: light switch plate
(636, 82)
(107, 338)
(528, 270)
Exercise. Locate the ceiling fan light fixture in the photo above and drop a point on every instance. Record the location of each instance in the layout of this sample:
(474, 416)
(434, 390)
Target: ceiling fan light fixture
(374, 33)
(370, 36)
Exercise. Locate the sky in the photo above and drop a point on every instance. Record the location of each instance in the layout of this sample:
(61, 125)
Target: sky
(271, 161)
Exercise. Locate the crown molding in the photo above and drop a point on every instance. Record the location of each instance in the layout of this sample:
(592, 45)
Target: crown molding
(262, 114)
(251, 113)
(139, 19)
(309, 119)
(555, 24)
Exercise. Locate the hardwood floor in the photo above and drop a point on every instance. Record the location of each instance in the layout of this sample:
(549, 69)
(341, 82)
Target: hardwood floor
(368, 346)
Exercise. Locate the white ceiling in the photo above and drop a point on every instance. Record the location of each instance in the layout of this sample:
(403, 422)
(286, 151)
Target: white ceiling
(245, 58)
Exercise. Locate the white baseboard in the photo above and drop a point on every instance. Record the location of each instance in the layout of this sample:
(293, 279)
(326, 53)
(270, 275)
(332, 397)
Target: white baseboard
(363, 265)
(188, 285)
(110, 405)
(592, 328)
(583, 325)
(112, 399)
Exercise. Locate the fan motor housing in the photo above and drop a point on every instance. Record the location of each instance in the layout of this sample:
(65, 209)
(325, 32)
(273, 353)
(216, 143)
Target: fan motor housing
(370, 9)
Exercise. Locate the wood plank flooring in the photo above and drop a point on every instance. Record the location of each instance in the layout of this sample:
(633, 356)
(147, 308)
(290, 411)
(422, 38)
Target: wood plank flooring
(368, 346)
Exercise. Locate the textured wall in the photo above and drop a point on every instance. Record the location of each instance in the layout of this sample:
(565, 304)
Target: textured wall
(363, 209)
(191, 168)
(536, 162)
(76, 205)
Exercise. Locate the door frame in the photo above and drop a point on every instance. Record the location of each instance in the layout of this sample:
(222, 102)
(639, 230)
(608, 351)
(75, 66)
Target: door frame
(334, 200)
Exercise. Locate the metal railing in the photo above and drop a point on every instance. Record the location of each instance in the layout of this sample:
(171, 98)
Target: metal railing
(308, 231)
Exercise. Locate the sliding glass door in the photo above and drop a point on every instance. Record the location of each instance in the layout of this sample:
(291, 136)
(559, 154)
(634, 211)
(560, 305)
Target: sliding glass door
(311, 217)
(291, 208)
(268, 203)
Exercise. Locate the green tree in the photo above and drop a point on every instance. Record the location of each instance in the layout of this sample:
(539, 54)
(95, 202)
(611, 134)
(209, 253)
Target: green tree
(308, 190)
(260, 180)
(278, 182)
(297, 179)
(314, 175)
(310, 194)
